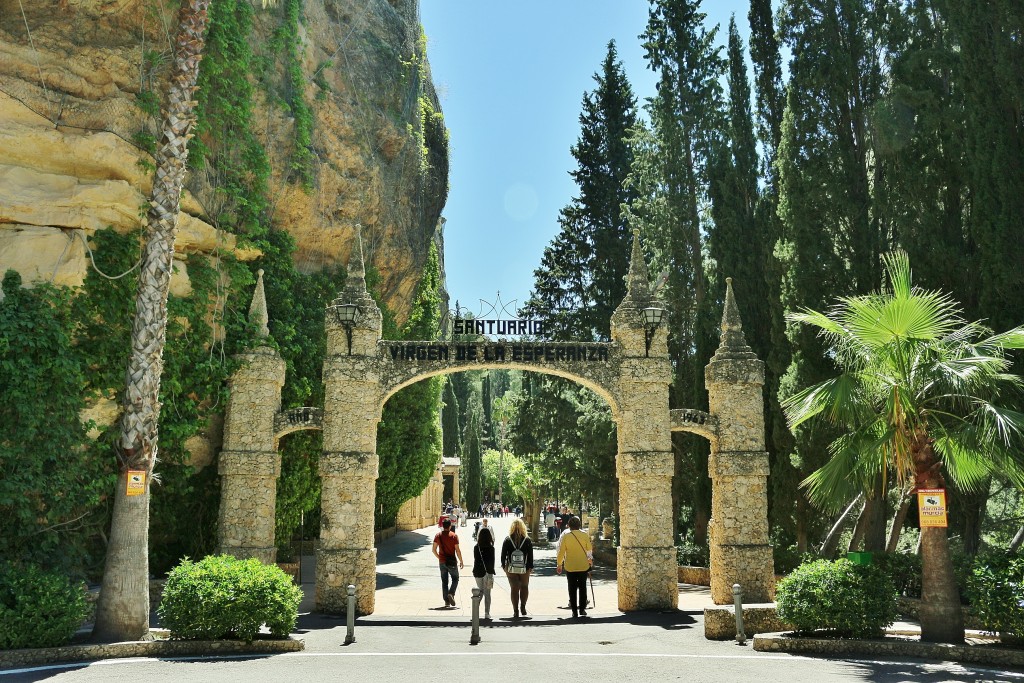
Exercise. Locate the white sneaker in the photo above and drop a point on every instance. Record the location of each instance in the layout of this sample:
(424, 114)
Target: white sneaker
(487, 616)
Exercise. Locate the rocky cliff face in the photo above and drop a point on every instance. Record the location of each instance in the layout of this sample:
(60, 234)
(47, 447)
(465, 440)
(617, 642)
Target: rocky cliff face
(74, 78)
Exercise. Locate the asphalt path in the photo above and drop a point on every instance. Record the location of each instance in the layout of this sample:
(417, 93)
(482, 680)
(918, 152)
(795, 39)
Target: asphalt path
(412, 638)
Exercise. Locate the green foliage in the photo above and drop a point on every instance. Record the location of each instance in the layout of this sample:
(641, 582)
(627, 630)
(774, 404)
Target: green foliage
(689, 554)
(223, 597)
(409, 433)
(451, 412)
(995, 589)
(286, 39)
(225, 143)
(51, 481)
(38, 608)
(149, 102)
(847, 599)
(472, 458)
(904, 569)
(145, 141)
(298, 487)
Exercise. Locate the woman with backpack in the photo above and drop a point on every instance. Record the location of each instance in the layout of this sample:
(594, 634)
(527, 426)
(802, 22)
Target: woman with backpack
(517, 561)
(483, 566)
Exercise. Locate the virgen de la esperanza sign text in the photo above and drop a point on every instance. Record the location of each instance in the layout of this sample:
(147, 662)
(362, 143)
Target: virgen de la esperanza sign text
(524, 352)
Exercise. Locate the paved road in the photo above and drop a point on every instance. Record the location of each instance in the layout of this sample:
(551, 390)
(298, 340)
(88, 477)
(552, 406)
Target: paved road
(412, 639)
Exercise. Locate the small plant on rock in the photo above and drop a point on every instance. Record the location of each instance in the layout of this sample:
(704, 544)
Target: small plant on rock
(839, 596)
(223, 597)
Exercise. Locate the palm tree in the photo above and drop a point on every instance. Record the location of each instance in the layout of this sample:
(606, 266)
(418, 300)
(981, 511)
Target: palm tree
(122, 612)
(922, 395)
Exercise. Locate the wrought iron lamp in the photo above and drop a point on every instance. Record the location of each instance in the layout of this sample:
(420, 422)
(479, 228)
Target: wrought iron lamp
(653, 316)
(346, 315)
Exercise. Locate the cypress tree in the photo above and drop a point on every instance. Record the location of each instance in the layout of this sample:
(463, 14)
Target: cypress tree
(687, 116)
(834, 216)
(581, 277)
(991, 55)
(770, 99)
(450, 421)
(472, 457)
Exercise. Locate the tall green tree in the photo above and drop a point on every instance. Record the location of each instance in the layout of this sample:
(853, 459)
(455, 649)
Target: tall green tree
(672, 175)
(580, 282)
(834, 216)
(990, 63)
(451, 418)
(472, 457)
(922, 396)
(770, 100)
(581, 279)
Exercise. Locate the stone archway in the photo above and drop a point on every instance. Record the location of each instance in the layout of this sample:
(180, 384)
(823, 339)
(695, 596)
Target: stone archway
(632, 373)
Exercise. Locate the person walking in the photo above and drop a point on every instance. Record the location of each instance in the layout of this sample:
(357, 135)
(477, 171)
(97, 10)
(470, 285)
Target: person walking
(517, 561)
(483, 566)
(446, 550)
(576, 554)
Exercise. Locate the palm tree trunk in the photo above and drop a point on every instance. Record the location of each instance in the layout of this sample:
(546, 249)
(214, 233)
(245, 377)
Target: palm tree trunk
(1018, 538)
(942, 619)
(122, 612)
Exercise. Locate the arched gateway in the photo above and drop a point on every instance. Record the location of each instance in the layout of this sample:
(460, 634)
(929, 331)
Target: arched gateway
(631, 373)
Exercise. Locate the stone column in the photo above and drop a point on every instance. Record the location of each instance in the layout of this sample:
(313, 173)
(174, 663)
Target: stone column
(647, 574)
(249, 463)
(740, 552)
(348, 466)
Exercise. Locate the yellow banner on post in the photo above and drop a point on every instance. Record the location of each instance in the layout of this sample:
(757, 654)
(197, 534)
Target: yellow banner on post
(136, 482)
(931, 507)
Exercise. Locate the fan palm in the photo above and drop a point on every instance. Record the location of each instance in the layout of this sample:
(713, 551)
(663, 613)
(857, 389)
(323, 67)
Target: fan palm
(923, 395)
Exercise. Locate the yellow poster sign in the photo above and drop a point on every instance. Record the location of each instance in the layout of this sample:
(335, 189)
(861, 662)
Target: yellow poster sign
(931, 506)
(136, 482)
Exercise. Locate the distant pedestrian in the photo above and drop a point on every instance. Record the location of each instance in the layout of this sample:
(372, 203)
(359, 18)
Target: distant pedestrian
(517, 561)
(483, 566)
(549, 522)
(576, 553)
(446, 550)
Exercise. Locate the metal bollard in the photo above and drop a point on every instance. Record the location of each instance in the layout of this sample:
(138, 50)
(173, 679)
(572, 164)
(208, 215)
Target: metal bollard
(474, 637)
(350, 636)
(737, 601)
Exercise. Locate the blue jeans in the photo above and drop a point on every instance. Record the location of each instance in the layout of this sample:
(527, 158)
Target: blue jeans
(447, 571)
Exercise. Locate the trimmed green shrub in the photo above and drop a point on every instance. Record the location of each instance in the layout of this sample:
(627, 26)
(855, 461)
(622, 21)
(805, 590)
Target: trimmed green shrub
(38, 608)
(905, 571)
(224, 597)
(996, 591)
(848, 599)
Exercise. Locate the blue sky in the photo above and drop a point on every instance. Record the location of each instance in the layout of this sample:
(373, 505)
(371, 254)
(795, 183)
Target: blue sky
(511, 77)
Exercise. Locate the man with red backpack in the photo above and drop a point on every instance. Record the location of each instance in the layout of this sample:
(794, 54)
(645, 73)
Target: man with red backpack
(446, 550)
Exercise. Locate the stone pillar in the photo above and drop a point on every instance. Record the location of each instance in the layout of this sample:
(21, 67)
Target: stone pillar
(348, 466)
(740, 552)
(647, 574)
(249, 463)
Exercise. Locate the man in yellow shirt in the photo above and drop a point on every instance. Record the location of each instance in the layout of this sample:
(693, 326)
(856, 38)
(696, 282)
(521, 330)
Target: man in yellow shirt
(576, 554)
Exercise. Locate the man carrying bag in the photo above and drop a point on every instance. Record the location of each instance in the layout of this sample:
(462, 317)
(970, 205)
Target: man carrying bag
(576, 554)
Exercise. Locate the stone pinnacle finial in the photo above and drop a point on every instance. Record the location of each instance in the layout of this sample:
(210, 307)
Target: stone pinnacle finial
(356, 269)
(733, 342)
(258, 308)
(638, 287)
